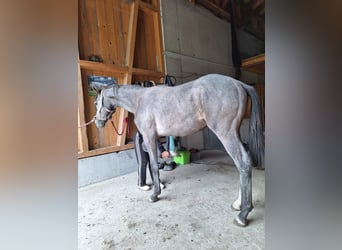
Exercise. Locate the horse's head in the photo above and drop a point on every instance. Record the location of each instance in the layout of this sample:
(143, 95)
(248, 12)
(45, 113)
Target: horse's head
(105, 107)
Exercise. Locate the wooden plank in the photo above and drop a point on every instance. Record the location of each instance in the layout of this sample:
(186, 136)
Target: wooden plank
(255, 64)
(147, 72)
(150, 42)
(215, 9)
(253, 60)
(89, 108)
(148, 7)
(121, 139)
(126, 13)
(122, 127)
(92, 37)
(102, 66)
(79, 134)
(102, 28)
(140, 52)
(132, 28)
(83, 46)
(156, 3)
(119, 31)
(110, 36)
(82, 132)
(105, 150)
(158, 36)
(260, 88)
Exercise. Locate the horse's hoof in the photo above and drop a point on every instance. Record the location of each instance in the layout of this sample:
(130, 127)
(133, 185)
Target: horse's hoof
(235, 207)
(153, 198)
(240, 222)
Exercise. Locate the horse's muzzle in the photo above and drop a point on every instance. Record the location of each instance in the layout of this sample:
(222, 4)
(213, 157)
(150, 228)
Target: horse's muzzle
(100, 123)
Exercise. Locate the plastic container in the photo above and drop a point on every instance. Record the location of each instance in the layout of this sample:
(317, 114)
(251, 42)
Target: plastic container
(182, 158)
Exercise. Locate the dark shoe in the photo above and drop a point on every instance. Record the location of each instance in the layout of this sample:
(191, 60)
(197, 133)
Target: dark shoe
(161, 165)
(169, 167)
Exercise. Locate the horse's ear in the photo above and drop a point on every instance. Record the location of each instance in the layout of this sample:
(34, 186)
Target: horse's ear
(115, 90)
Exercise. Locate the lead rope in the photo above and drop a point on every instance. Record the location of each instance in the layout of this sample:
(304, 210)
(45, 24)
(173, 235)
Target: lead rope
(124, 128)
(86, 124)
(116, 130)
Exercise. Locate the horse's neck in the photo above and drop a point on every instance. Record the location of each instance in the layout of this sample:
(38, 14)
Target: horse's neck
(126, 97)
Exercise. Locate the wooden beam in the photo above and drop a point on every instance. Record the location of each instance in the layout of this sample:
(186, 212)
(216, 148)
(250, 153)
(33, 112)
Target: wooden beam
(215, 9)
(158, 36)
(82, 132)
(253, 60)
(121, 139)
(90, 65)
(105, 150)
(148, 7)
(147, 72)
(132, 30)
(254, 64)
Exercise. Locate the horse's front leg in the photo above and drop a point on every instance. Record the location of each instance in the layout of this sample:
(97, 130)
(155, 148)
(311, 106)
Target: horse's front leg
(151, 147)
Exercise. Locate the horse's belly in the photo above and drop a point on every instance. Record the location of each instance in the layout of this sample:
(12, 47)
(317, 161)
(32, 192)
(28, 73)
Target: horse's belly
(181, 127)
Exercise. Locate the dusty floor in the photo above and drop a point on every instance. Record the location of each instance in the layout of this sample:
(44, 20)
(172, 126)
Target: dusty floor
(193, 211)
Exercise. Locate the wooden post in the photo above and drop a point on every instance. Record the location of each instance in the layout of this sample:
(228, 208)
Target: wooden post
(82, 132)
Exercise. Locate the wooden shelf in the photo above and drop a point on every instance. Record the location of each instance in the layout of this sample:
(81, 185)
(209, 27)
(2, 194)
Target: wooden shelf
(127, 36)
(255, 64)
(147, 72)
(101, 66)
(105, 150)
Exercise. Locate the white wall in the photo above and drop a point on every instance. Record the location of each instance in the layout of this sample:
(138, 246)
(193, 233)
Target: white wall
(195, 41)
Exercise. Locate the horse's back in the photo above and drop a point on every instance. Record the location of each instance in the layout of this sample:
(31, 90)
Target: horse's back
(219, 83)
(207, 100)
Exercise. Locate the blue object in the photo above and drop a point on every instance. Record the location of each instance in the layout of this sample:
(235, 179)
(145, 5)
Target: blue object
(101, 80)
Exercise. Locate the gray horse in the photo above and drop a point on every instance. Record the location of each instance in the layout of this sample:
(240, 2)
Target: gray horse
(213, 100)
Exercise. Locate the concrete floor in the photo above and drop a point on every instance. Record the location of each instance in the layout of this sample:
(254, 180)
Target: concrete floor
(193, 211)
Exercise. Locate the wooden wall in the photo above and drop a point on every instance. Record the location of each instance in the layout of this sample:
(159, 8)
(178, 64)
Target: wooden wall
(126, 35)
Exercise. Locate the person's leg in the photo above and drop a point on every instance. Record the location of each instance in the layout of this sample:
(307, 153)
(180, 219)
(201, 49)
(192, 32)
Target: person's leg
(162, 186)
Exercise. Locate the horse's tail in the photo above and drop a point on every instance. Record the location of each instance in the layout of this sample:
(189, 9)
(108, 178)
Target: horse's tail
(256, 142)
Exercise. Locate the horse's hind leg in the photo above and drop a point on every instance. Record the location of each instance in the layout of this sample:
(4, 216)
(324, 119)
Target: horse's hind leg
(151, 146)
(234, 147)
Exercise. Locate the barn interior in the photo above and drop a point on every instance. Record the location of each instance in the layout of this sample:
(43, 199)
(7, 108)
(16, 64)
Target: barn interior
(136, 40)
